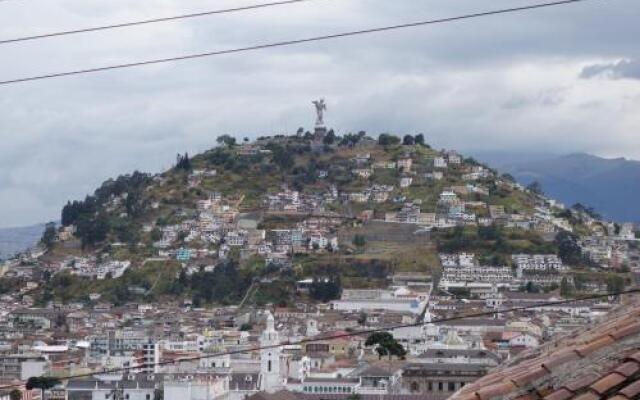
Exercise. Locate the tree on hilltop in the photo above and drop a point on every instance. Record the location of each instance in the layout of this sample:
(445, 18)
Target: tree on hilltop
(226, 140)
(386, 139)
(535, 187)
(408, 140)
(183, 162)
(49, 235)
(329, 138)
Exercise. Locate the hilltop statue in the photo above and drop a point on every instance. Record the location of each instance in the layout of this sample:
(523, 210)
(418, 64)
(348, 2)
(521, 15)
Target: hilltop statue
(321, 107)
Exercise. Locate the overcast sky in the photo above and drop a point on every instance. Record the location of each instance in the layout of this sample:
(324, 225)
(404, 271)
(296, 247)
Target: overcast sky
(562, 79)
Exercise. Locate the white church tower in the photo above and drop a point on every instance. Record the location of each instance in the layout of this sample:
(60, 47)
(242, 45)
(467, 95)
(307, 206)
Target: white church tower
(430, 330)
(270, 358)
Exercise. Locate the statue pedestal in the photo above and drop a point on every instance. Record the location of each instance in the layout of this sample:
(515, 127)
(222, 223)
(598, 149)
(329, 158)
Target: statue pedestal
(320, 132)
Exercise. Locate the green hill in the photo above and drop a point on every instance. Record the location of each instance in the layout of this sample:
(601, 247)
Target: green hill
(381, 200)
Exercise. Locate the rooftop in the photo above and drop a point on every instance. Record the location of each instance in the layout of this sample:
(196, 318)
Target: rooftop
(598, 362)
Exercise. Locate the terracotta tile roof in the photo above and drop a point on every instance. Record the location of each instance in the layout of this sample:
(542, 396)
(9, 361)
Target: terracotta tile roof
(562, 394)
(595, 346)
(631, 391)
(608, 382)
(634, 357)
(526, 377)
(628, 369)
(587, 396)
(598, 363)
(578, 384)
(497, 389)
(560, 358)
(526, 397)
(626, 331)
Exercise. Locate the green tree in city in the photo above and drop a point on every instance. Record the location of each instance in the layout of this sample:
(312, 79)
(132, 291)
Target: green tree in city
(359, 241)
(325, 289)
(386, 345)
(565, 287)
(42, 382)
(615, 283)
(568, 248)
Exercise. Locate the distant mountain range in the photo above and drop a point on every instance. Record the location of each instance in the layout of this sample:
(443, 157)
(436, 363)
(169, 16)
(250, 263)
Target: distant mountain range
(611, 186)
(14, 240)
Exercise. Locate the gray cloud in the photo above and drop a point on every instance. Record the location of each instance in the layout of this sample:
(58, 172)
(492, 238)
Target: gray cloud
(506, 82)
(623, 69)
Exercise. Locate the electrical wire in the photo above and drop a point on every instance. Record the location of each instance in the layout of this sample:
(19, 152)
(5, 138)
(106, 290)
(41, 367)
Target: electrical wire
(346, 335)
(151, 21)
(290, 42)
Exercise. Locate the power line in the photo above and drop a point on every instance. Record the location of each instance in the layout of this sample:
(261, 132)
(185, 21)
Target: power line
(290, 42)
(151, 21)
(348, 334)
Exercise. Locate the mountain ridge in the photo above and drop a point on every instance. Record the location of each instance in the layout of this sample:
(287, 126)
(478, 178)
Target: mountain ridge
(610, 185)
(17, 239)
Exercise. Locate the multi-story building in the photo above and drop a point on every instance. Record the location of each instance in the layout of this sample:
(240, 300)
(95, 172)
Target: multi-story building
(22, 366)
(527, 264)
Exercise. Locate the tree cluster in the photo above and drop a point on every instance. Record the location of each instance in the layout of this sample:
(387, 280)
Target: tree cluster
(325, 290)
(490, 240)
(351, 139)
(535, 187)
(359, 241)
(386, 345)
(222, 285)
(183, 162)
(41, 382)
(386, 139)
(49, 235)
(226, 140)
(89, 216)
(568, 248)
(590, 211)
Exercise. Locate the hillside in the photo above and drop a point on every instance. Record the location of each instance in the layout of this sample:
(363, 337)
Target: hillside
(608, 185)
(243, 223)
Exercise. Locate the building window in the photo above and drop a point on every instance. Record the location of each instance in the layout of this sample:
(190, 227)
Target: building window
(430, 387)
(440, 387)
(269, 366)
(415, 387)
(452, 386)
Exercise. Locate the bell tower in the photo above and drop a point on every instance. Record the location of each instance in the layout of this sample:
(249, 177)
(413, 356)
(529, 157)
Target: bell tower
(270, 357)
